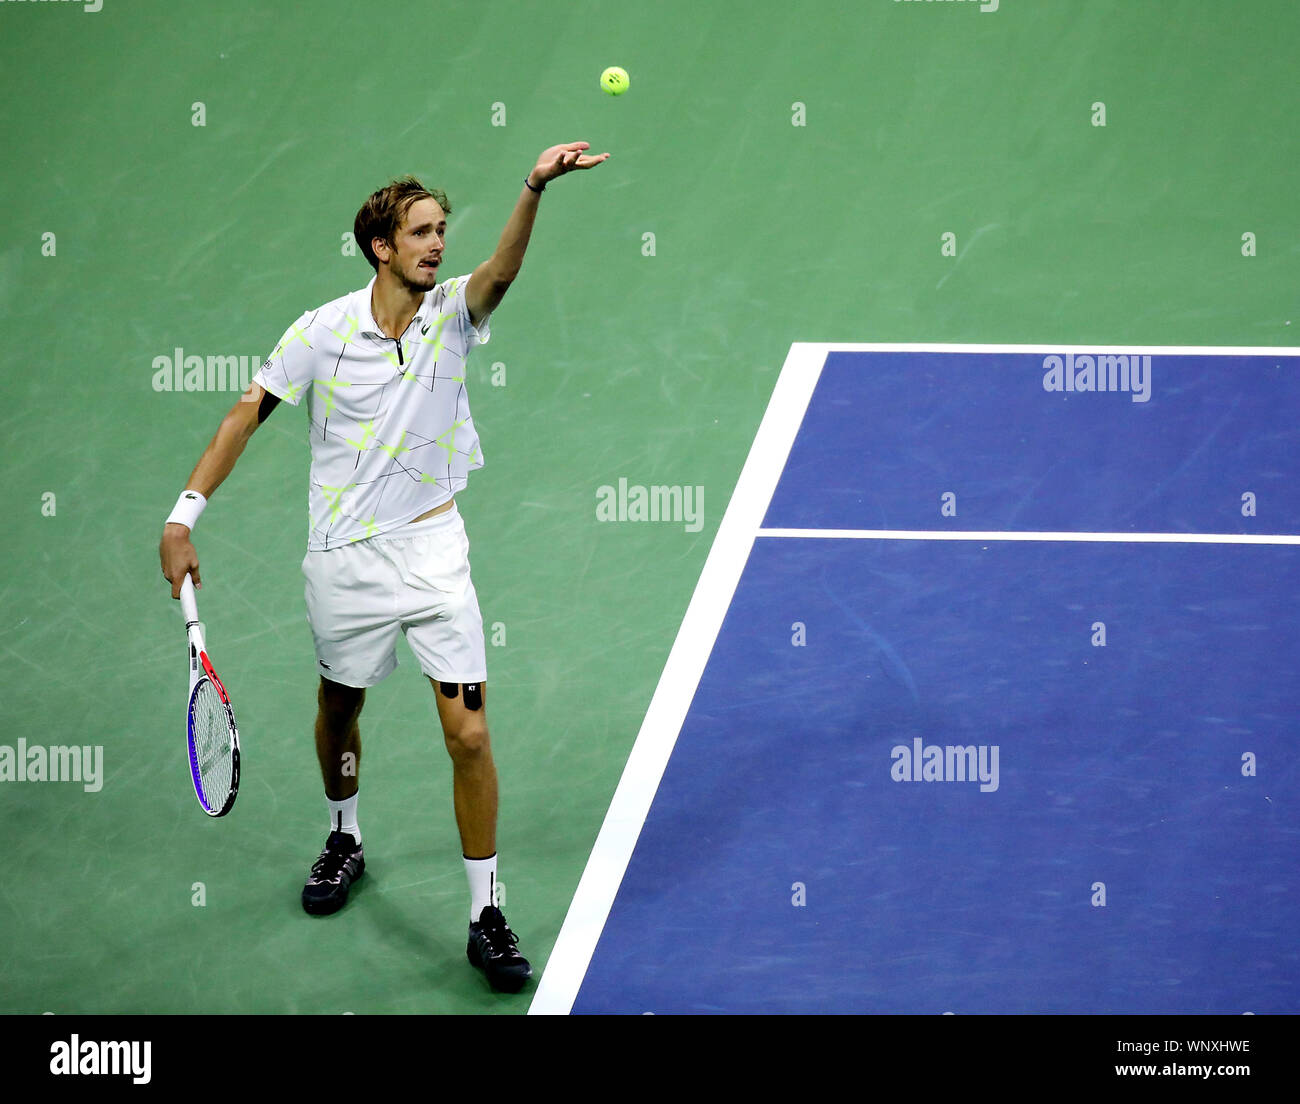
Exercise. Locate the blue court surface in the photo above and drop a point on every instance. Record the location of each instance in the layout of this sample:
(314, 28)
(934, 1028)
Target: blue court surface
(986, 702)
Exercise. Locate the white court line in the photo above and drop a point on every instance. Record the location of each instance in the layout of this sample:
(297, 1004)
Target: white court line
(1047, 348)
(740, 526)
(1003, 535)
(586, 917)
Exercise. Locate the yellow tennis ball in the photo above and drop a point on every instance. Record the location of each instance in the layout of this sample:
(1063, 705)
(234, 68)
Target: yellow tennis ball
(614, 80)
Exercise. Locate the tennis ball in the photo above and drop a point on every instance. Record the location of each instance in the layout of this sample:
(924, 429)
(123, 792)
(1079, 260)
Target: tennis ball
(614, 80)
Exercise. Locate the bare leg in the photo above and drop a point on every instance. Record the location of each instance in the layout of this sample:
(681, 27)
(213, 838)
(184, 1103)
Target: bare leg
(474, 774)
(338, 738)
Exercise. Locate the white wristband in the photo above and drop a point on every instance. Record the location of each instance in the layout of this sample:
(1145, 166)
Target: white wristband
(187, 509)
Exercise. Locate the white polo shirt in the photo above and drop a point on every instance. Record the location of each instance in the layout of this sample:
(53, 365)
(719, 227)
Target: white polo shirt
(391, 433)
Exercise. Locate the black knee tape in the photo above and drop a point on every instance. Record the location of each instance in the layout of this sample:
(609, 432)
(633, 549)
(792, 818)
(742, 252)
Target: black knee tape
(473, 694)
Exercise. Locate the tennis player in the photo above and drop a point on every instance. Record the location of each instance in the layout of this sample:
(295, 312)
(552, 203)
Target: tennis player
(382, 371)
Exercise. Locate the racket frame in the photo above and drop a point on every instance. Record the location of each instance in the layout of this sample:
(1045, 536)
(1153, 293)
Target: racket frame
(200, 670)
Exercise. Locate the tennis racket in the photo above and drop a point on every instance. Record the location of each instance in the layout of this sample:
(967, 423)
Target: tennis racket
(210, 721)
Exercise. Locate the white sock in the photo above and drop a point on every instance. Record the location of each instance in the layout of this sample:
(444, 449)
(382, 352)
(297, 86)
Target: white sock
(482, 874)
(343, 816)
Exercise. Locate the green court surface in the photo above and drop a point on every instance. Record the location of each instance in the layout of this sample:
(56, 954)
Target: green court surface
(609, 360)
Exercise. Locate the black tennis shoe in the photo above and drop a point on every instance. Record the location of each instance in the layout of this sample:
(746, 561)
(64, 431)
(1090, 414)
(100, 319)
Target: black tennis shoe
(332, 875)
(492, 948)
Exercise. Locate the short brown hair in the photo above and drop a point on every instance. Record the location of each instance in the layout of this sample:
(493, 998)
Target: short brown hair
(383, 212)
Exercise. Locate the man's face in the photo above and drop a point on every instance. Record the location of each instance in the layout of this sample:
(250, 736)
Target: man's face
(417, 250)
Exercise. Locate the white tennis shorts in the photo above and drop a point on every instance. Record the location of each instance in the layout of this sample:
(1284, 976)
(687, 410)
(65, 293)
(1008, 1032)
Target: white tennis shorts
(412, 580)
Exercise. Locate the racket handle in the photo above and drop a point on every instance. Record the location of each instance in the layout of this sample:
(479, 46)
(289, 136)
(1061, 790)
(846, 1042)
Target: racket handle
(189, 608)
